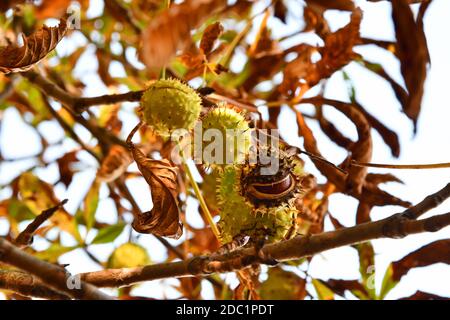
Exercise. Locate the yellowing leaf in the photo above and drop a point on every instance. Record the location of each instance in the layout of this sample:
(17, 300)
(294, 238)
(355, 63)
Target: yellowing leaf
(52, 253)
(282, 285)
(388, 282)
(114, 164)
(91, 204)
(323, 292)
(39, 196)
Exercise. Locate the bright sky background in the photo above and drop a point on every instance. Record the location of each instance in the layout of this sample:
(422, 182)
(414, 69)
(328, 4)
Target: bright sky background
(431, 144)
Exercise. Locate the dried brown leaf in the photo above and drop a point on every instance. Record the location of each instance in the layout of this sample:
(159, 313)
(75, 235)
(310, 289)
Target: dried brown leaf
(162, 37)
(298, 70)
(210, 35)
(52, 9)
(34, 48)
(363, 212)
(361, 149)
(420, 295)
(7, 4)
(435, 252)
(310, 145)
(265, 60)
(338, 49)
(164, 218)
(377, 178)
(371, 194)
(204, 241)
(389, 136)
(339, 286)
(280, 10)
(66, 170)
(332, 132)
(115, 164)
(104, 61)
(190, 288)
(346, 5)
(314, 20)
(282, 285)
(412, 51)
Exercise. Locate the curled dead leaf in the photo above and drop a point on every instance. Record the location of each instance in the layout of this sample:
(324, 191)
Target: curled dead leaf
(34, 48)
(164, 218)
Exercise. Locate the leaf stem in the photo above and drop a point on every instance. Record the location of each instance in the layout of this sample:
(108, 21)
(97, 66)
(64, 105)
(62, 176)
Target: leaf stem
(199, 195)
(402, 166)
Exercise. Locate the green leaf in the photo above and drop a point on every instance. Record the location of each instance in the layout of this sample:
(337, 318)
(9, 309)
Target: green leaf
(91, 204)
(19, 210)
(283, 285)
(109, 233)
(53, 252)
(323, 292)
(367, 267)
(388, 282)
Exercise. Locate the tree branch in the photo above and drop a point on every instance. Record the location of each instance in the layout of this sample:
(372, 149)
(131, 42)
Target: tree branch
(52, 275)
(78, 104)
(28, 285)
(296, 248)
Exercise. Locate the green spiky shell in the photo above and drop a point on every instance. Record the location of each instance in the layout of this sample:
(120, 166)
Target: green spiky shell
(239, 217)
(224, 118)
(169, 104)
(128, 255)
(209, 189)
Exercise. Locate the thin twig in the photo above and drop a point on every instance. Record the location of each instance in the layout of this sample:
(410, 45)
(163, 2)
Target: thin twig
(25, 238)
(430, 202)
(78, 104)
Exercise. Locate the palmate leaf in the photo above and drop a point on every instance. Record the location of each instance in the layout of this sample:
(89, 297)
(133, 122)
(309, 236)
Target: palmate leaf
(35, 47)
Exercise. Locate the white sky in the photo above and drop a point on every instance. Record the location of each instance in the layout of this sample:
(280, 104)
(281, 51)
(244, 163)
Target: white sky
(431, 144)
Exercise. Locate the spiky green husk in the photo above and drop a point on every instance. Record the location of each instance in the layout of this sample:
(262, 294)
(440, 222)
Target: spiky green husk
(236, 143)
(239, 217)
(128, 255)
(168, 105)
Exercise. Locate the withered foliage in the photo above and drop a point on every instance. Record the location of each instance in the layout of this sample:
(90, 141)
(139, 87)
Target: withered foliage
(161, 175)
(35, 47)
(228, 53)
